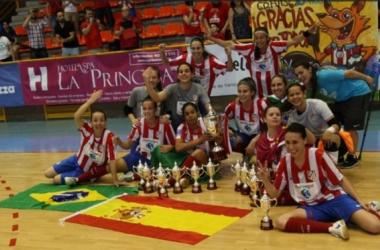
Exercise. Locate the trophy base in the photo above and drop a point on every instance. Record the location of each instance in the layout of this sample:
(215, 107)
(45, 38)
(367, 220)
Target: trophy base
(196, 189)
(238, 187)
(266, 225)
(177, 189)
(148, 189)
(163, 193)
(211, 186)
(245, 191)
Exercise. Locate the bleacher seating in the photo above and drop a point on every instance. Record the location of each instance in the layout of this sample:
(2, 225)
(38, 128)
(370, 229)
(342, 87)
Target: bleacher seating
(152, 31)
(149, 13)
(200, 5)
(180, 8)
(20, 31)
(107, 36)
(172, 29)
(166, 11)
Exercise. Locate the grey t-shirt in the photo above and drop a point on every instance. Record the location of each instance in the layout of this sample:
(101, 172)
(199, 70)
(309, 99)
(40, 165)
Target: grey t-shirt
(314, 118)
(177, 97)
(135, 101)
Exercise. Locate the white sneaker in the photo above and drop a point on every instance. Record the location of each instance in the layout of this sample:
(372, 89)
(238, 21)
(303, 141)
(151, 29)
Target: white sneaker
(184, 182)
(375, 205)
(128, 177)
(71, 181)
(339, 229)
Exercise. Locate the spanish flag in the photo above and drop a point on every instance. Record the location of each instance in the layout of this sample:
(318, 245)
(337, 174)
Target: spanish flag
(160, 218)
(64, 198)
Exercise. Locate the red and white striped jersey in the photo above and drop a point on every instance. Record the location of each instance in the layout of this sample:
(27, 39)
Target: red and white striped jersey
(316, 182)
(95, 152)
(263, 69)
(247, 121)
(186, 134)
(341, 55)
(150, 137)
(207, 71)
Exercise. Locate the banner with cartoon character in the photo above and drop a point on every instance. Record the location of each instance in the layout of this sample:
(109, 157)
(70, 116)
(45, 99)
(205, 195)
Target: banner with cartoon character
(347, 35)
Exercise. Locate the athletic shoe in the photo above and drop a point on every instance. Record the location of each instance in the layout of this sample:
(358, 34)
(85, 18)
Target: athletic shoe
(375, 205)
(350, 162)
(340, 160)
(128, 177)
(71, 181)
(339, 229)
(184, 182)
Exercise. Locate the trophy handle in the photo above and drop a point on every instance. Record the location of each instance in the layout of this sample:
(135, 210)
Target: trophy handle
(273, 202)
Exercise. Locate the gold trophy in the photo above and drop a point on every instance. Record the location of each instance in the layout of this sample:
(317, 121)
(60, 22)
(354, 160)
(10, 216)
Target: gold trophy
(266, 203)
(255, 184)
(165, 171)
(147, 172)
(211, 170)
(245, 190)
(237, 171)
(177, 173)
(161, 178)
(195, 172)
(213, 123)
(139, 171)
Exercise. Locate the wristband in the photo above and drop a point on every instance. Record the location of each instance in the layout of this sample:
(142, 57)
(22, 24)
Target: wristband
(332, 129)
(306, 33)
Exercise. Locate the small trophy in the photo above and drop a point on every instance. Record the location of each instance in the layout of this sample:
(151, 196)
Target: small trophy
(161, 178)
(139, 171)
(165, 171)
(213, 123)
(254, 183)
(266, 203)
(195, 172)
(237, 170)
(177, 173)
(245, 190)
(211, 170)
(147, 172)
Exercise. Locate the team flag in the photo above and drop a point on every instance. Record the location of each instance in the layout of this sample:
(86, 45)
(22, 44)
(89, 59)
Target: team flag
(64, 198)
(160, 218)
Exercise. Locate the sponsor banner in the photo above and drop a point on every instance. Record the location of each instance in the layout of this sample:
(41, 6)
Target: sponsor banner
(73, 80)
(227, 84)
(10, 86)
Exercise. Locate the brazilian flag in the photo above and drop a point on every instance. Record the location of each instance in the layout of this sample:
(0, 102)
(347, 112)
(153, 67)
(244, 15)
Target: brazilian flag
(64, 198)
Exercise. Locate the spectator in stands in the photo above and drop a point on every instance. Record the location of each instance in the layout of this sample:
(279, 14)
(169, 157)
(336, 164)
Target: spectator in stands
(238, 18)
(177, 94)
(128, 29)
(214, 31)
(192, 20)
(52, 8)
(10, 33)
(71, 13)
(6, 53)
(35, 30)
(216, 12)
(65, 32)
(91, 28)
(102, 9)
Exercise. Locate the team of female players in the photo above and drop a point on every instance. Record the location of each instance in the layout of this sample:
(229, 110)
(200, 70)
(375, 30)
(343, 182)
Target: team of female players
(306, 175)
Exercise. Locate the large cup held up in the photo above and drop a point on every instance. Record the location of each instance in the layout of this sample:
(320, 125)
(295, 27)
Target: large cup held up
(266, 203)
(195, 172)
(237, 170)
(211, 170)
(213, 123)
(177, 173)
(147, 172)
(139, 171)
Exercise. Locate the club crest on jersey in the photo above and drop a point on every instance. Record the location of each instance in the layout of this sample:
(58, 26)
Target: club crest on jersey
(262, 66)
(311, 175)
(247, 128)
(150, 145)
(195, 98)
(158, 133)
(306, 193)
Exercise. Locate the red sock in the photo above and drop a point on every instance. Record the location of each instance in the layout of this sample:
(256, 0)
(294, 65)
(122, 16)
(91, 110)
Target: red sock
(136, 177)
(302, 225)
(285, 199)
(92, 174)
(190, 161)
(171, 181)
(374, 213)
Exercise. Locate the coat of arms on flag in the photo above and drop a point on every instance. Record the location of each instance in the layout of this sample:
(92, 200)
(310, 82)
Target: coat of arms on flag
(165, 219)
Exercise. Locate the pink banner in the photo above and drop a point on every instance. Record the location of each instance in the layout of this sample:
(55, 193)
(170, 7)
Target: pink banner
(72, 80)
